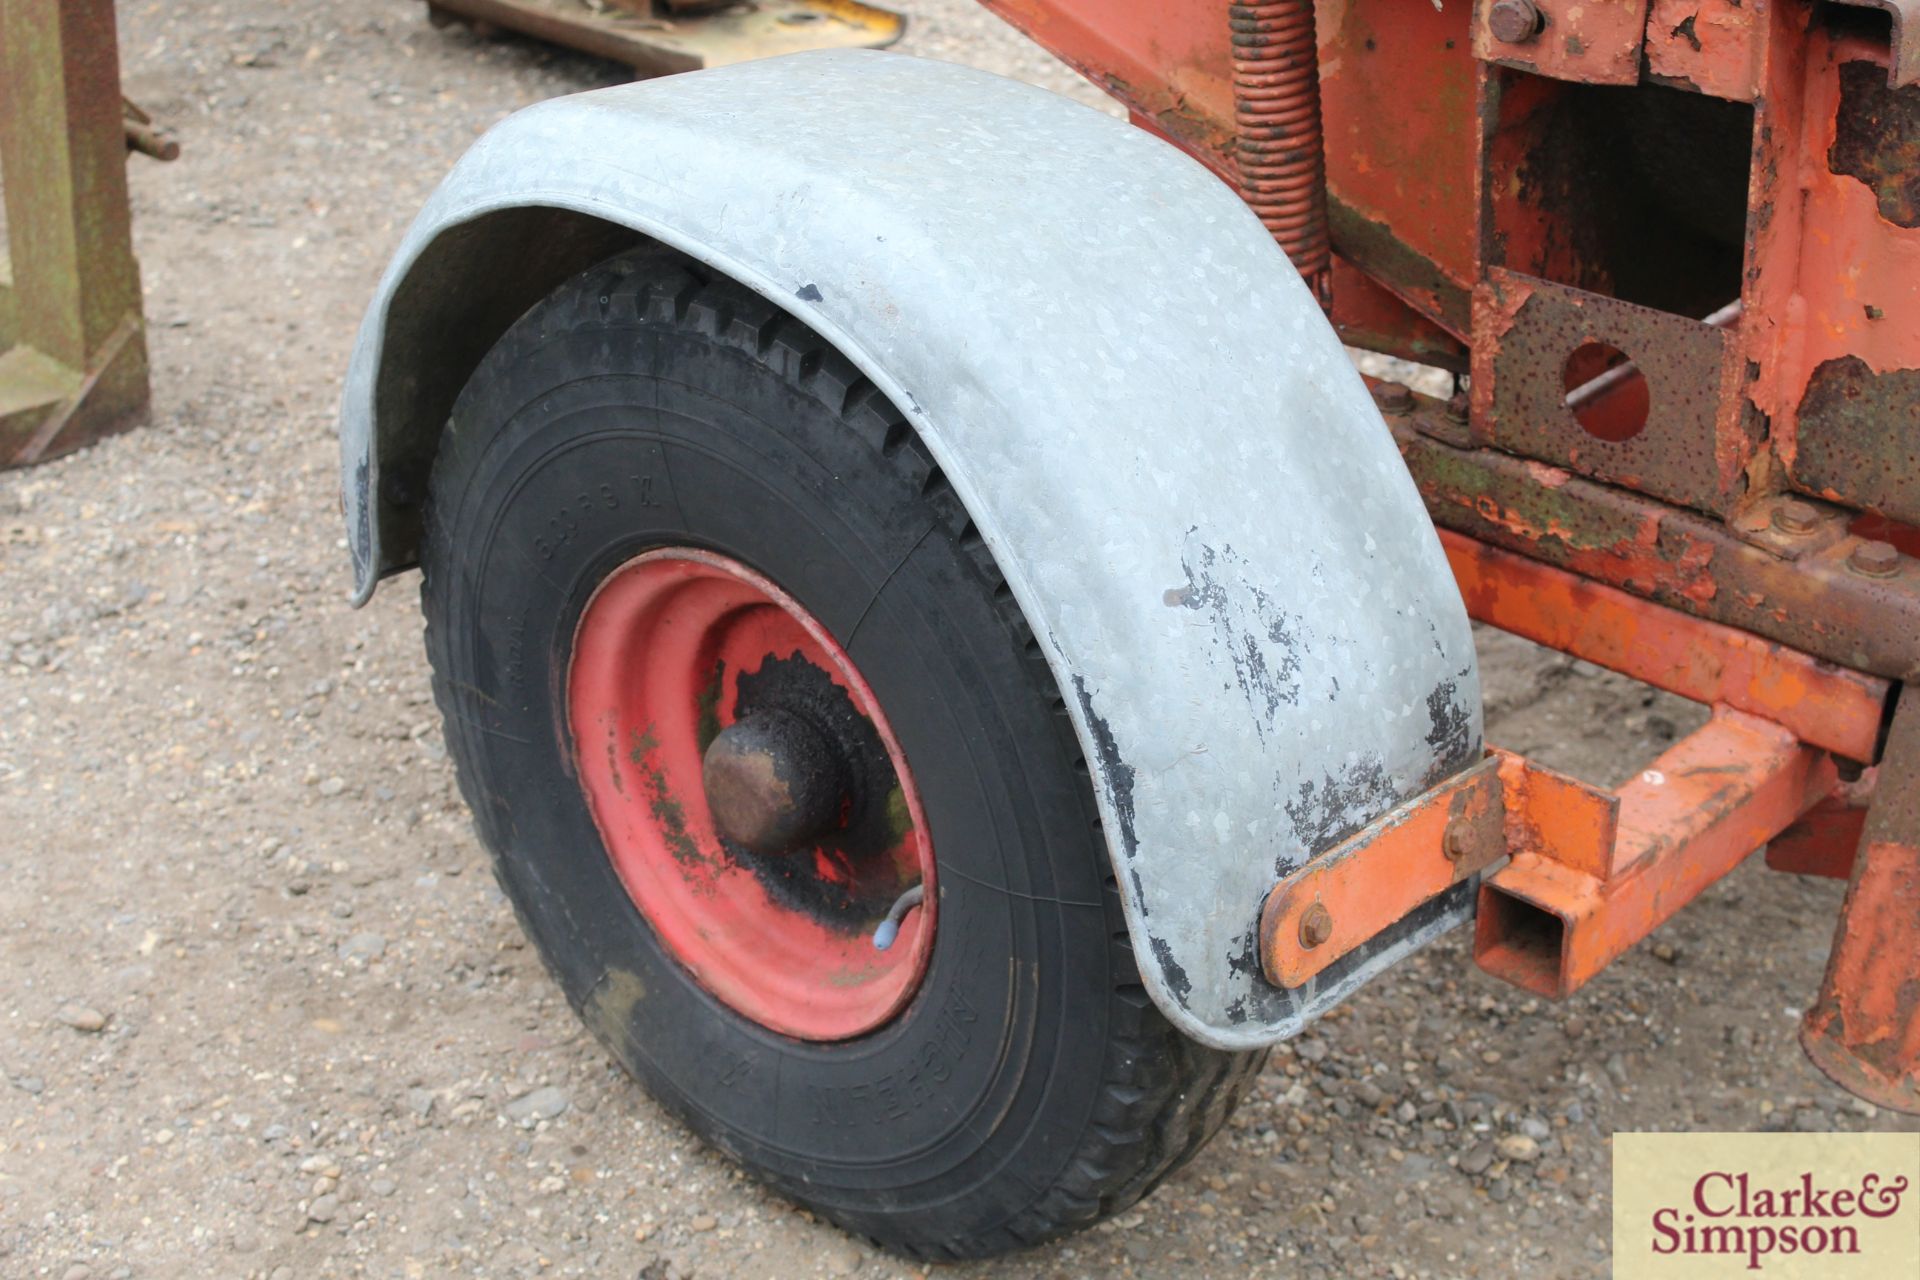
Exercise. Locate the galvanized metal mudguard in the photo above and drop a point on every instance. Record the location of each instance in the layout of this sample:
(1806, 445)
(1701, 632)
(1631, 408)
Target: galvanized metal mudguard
(1184, 480)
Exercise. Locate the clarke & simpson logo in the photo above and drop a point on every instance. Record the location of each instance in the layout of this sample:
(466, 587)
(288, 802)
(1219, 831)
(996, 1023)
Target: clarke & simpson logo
(1781, 1205)
(1728, 1215)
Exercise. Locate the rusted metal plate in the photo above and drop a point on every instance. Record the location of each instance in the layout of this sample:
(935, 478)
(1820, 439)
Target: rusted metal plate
(657, 45)
(1708, 802)
(1815, 604)
(1592, 41)
(1550, 813)
(1325, 910)
(1841, 381)
(1826, 840)
(1864, 1029)
(1706, 46)
(1877, 140)
(1859, 437)
(1531, 337)
(1828, 706)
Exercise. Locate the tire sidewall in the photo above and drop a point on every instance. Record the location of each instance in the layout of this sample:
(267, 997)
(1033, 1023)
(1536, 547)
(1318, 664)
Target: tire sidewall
(589, 437)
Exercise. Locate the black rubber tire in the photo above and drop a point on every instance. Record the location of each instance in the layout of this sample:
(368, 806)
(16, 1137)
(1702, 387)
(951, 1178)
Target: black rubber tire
(1030, 1088)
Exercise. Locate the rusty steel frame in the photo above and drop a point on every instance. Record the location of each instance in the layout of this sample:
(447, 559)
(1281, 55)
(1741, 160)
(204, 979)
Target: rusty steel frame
(1708, 208)
(73, 356)
(1864, 1029)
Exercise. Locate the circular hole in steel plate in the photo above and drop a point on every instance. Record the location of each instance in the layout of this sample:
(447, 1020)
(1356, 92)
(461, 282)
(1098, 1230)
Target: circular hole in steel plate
(1606, 392)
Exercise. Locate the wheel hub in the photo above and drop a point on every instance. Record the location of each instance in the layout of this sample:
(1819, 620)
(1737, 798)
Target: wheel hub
(750, 794)
(773, 782)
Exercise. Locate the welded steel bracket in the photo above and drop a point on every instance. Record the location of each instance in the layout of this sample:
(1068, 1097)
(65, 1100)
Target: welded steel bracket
(73, 354)
(658, 43)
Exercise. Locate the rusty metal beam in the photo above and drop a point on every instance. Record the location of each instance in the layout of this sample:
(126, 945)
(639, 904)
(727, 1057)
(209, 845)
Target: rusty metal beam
(1810, 598)
(1863, 1031)
(1825, 705)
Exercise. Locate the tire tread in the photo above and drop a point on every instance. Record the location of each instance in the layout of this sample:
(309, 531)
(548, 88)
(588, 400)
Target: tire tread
(1162, 1095)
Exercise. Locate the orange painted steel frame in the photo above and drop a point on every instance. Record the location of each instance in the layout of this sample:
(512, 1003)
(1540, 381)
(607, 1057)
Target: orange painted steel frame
(1591, 871)
(1551, 202)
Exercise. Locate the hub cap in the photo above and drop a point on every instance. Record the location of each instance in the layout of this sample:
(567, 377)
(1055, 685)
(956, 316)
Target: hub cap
(750, 793)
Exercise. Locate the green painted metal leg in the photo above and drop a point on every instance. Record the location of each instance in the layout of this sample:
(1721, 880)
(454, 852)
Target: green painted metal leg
(74, 367)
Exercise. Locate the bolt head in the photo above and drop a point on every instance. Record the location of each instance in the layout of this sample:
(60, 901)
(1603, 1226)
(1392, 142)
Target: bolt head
(1459, 842)
(1795, 516)
(1514, 21)
(1392, 397)
(1316, 926)
(1875, 559)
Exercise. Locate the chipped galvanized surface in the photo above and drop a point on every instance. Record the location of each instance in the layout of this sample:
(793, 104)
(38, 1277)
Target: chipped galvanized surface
(1210, 531)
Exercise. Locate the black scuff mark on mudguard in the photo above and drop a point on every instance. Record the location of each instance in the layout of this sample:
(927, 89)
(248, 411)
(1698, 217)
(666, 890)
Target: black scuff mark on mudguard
(1450, 730)
(1327, 812)
(1243, 961)
(1170, 971)
(1449, 724)
(360, 545)
(809, 293)
(1116, 773)
(1263, 643)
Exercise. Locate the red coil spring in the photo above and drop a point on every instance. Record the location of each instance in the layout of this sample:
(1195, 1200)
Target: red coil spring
(1279, 150)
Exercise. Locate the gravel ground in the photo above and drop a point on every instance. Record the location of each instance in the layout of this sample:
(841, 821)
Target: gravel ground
(266, 1014)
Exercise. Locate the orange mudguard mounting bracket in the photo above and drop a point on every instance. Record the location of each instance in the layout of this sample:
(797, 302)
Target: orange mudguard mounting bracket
(1572, 900)
(1332, 905)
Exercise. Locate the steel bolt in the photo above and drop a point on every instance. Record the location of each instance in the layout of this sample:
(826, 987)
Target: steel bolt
(1316, 926)
(1875, 559)
(1392, 397)
(1515, 21)
(1457, 407)
(1795, 516)
(1459, 841)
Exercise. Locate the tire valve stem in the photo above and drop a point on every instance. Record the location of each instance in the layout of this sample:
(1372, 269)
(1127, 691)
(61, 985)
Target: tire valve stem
(890, 927)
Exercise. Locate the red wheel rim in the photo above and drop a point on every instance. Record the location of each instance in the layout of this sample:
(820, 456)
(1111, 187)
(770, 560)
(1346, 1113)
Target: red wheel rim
(672, 649)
